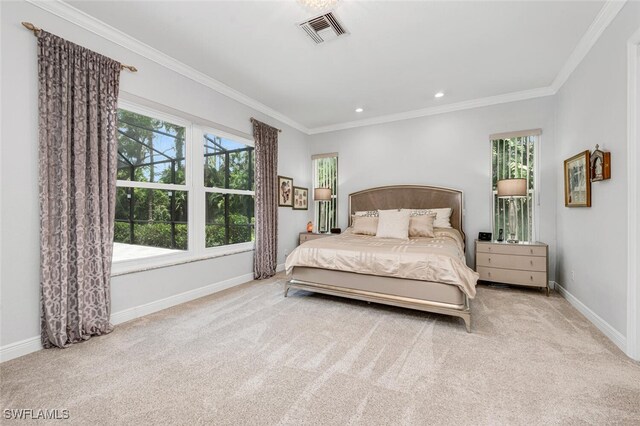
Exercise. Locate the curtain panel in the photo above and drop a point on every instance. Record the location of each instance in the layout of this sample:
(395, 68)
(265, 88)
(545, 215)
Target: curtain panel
(265, 258)
(78, 92)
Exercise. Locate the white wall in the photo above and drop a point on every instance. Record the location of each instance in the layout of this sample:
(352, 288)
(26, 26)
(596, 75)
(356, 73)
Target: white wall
(19, 286)
(592, 109)
(451, 150)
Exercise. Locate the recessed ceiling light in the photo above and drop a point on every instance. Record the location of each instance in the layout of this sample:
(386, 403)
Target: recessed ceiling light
(359, 110)
(439, 95)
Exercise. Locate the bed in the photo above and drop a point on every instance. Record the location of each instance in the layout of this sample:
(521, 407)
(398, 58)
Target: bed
(428, 274)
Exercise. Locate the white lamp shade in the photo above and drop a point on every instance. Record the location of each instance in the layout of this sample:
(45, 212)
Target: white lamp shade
(512, 188)
(322, 194)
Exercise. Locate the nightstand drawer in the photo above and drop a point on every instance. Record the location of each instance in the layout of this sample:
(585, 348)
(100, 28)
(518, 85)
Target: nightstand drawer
(308, 236)
(508, 276)
(506, 261)
(515, 249)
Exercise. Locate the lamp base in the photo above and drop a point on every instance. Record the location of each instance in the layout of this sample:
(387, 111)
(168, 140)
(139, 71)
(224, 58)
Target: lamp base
(512, 241)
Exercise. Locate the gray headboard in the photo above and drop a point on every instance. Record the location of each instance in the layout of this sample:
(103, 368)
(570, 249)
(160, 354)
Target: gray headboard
(409, 197)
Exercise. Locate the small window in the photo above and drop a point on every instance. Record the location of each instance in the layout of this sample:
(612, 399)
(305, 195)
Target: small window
(325, 175)
(513, 156)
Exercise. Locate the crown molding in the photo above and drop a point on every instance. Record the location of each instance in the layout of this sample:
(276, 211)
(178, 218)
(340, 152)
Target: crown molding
(606, 15)
(77, 17)
(458, 106)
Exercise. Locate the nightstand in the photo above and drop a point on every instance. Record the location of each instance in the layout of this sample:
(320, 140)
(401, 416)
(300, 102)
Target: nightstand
(524, 264)
(308, 236)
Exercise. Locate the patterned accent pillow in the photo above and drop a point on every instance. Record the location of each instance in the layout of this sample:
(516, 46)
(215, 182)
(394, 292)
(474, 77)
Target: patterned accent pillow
(367, 213)
(443, 216)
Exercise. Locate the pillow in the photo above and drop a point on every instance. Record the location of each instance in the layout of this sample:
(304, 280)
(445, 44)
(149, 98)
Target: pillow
(367, 213)
(422, 226)
(442, 216)
(365, 225)
(393, 224)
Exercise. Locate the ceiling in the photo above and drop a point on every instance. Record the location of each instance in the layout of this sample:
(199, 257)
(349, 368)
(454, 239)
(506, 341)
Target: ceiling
(397, 56)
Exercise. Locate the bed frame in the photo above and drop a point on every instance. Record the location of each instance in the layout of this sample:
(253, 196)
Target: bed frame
(421, 295)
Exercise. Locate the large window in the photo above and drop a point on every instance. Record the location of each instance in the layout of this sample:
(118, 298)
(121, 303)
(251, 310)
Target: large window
(174, 196)
(152, 194)
(325, 175)
(229, 191)
(513, 156)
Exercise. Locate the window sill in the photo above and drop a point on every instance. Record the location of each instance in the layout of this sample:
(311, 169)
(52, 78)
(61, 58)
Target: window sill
(164, 261)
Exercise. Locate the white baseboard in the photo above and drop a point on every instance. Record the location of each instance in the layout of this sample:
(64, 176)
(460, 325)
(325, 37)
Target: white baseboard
(18, 349)
(614, 335)
(27, 346)
(177, 299)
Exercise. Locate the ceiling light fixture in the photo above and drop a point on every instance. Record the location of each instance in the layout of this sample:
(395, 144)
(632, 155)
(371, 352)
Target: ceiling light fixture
(439, 95)
(319, 4)
(359, 110)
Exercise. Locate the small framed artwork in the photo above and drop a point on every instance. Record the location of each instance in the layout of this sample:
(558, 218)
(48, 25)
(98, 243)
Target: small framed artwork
(600, 165)
(285, 191)
(577, 182)
(300, 198)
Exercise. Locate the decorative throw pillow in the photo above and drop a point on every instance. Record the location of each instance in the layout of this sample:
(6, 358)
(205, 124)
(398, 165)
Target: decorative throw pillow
(393, 224)
(367, 213)
(365, 225)
(422, 226)
(443, 216)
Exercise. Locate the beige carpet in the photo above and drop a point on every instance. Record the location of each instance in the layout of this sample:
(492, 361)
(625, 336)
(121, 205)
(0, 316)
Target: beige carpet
(250, 356)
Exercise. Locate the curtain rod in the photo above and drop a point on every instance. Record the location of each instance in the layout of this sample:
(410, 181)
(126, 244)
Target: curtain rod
(255, 119)
(36, 31)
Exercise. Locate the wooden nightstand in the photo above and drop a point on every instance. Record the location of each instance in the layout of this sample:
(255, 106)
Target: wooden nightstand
(523, 264)
(308, 236)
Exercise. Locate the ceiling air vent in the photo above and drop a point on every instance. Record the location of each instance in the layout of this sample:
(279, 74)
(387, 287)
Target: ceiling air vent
(323, 28)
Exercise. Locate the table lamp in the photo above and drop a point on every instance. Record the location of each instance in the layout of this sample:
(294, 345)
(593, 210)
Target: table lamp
(321, 195)
(512, 189)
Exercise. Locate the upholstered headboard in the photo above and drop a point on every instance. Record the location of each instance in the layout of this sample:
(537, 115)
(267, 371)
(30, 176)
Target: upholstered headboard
(409, 197)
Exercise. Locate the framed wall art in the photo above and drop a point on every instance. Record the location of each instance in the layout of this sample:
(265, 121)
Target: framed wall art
(300, 198)
(285, 191)
(577, 182)
(600, 165)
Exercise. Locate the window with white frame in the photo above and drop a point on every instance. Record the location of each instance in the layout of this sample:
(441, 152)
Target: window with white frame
(325, 175)
(162, 208)
(514, 156)
(229, 191)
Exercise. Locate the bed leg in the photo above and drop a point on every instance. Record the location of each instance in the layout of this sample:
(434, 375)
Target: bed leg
(286, 290)
(467, 322)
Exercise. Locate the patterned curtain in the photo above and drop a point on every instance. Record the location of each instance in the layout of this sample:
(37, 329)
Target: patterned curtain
(78, 92)
(265, 258)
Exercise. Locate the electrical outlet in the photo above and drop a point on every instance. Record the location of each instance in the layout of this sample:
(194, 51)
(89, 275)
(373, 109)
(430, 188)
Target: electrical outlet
(573, 275)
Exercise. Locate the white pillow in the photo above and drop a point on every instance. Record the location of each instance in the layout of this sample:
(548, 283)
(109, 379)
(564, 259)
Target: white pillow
(443, 216)
(367, 213)
(393, 224)
(365, 225)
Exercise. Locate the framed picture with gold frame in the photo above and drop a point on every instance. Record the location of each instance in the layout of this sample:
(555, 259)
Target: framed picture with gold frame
(600, 165)
(577, 182)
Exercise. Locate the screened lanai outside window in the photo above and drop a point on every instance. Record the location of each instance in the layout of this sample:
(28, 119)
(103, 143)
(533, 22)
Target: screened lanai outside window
(152, 194)
(229, 191)
(513, 156)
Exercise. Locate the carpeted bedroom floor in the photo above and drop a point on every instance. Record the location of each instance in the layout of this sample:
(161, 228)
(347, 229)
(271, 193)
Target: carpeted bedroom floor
(250, 356)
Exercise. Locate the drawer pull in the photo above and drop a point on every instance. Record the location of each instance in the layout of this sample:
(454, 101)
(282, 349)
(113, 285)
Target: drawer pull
(531, 250)
(489, 248)
(489, 260)
(489, 273)
(531, 277)
(531, 261)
